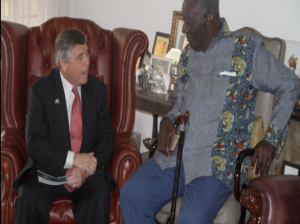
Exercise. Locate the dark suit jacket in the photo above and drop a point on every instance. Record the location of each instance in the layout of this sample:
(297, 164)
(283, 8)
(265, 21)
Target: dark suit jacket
(47, 127)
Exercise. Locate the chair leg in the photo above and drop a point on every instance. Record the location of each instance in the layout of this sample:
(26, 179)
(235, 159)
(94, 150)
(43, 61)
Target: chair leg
(243, 215)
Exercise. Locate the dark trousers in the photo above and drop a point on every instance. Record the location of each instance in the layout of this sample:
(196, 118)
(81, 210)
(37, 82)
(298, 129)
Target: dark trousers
(90, 202)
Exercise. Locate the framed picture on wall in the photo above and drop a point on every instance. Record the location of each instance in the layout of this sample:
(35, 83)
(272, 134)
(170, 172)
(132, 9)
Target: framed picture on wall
(161, 43)
(292, 57)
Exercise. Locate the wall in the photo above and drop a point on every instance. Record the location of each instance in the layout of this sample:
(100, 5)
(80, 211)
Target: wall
(273, 18)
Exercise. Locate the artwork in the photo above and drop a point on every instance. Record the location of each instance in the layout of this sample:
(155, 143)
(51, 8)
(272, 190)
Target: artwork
(143, 60)
(292, 57)
(161, 44)
(163, 65)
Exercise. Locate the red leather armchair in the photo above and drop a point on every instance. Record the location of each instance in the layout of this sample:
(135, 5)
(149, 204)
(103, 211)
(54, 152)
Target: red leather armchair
(273, 199)
(28, 54)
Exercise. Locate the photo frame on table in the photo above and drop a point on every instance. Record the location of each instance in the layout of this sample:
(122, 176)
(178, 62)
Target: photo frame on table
(143, 60)
(292, 57)
(161, 43)
(289, 168)
(164, 64)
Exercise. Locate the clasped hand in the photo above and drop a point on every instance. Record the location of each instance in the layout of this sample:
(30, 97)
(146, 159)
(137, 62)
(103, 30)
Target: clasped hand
(85, 164)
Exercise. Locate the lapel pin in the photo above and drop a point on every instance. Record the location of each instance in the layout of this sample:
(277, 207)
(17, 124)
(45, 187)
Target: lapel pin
(56, 101)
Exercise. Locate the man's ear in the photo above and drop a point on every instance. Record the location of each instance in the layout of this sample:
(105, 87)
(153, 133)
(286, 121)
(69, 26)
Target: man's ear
(63, 65)
(209, 20)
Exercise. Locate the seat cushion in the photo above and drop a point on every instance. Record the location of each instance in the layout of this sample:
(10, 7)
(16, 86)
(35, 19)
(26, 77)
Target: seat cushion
(229, 213)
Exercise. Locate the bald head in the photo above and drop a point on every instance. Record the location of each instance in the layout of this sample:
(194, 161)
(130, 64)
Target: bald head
(201, 22)
(205, 7)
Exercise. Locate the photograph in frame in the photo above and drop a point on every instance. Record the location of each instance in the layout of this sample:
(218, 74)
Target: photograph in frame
(161, 44)
(162, 64)
(143, 60)
(292, 57)
(146, 58)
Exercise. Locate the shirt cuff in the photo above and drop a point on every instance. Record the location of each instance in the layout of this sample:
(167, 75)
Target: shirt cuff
(69, 160)
(275, 137)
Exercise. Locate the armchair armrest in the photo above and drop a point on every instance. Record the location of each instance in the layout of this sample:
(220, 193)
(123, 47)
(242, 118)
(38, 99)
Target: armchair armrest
(125, 160)
(243, 154)
(13, 159)
(273, 199)
(14, 42)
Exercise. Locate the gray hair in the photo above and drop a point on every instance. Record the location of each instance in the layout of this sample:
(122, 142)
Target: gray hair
(65, 42)
(209, 6)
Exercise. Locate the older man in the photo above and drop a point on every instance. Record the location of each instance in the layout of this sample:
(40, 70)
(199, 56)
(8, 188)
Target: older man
(219, 74)
(68, 132)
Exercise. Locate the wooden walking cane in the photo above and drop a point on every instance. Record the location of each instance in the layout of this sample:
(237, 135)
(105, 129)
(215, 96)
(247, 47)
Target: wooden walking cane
(183, 119)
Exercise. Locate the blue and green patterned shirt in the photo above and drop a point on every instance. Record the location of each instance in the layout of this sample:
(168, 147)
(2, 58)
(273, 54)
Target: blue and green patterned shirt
(222, 106)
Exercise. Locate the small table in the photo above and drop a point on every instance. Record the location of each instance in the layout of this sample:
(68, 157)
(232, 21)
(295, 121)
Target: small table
(157, 104)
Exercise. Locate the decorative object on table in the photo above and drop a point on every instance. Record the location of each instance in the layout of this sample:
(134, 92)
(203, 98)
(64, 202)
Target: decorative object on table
(158, 85)
(292, 57)
(173, 54)
(143, 80)
(161, 43)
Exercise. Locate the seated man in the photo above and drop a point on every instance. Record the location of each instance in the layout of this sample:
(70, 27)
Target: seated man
(219, 74)
(68, 132)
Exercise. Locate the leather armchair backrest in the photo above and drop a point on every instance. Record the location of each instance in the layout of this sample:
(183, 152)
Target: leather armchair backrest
(41, 48)
(265, 101)
(27, 54)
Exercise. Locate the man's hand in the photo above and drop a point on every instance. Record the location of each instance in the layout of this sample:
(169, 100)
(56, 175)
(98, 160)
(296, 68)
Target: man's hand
(77, 178)
(85, 161)
(264, 153)
(166, 130)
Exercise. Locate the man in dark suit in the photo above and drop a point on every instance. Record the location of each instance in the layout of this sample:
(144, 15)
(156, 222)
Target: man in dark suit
(68, 131)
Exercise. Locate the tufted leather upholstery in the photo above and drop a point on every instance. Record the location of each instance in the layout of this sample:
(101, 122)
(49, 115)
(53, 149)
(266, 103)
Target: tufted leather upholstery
(28, 54)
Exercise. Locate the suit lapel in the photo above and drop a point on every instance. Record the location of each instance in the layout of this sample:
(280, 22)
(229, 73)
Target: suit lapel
(87, 105)
(61, 109)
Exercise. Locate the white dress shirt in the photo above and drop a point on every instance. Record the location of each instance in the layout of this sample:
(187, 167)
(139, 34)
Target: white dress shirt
(69, 101)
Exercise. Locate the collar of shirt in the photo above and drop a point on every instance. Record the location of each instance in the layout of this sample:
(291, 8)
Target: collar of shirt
(224, 32)
(69, 95)
(68, 89)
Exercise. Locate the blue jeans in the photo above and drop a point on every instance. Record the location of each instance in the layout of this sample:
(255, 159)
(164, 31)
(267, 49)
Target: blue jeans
(150, 188)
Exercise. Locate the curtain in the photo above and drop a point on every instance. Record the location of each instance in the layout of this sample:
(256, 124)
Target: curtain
(33, 12)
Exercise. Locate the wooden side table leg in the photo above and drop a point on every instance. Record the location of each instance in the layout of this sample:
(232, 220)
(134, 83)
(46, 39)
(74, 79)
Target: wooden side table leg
(154, 128)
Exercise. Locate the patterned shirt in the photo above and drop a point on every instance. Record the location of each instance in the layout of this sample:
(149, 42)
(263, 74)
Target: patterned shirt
(222, 106)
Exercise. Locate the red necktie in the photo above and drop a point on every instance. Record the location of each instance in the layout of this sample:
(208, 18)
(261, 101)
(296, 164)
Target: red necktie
(75, 129)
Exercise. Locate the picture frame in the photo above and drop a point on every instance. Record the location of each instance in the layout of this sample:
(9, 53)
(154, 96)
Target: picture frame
(289, 168)
(164, 63)
(143, 60)
(292, 57)
(176, 37)
(161, 43)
